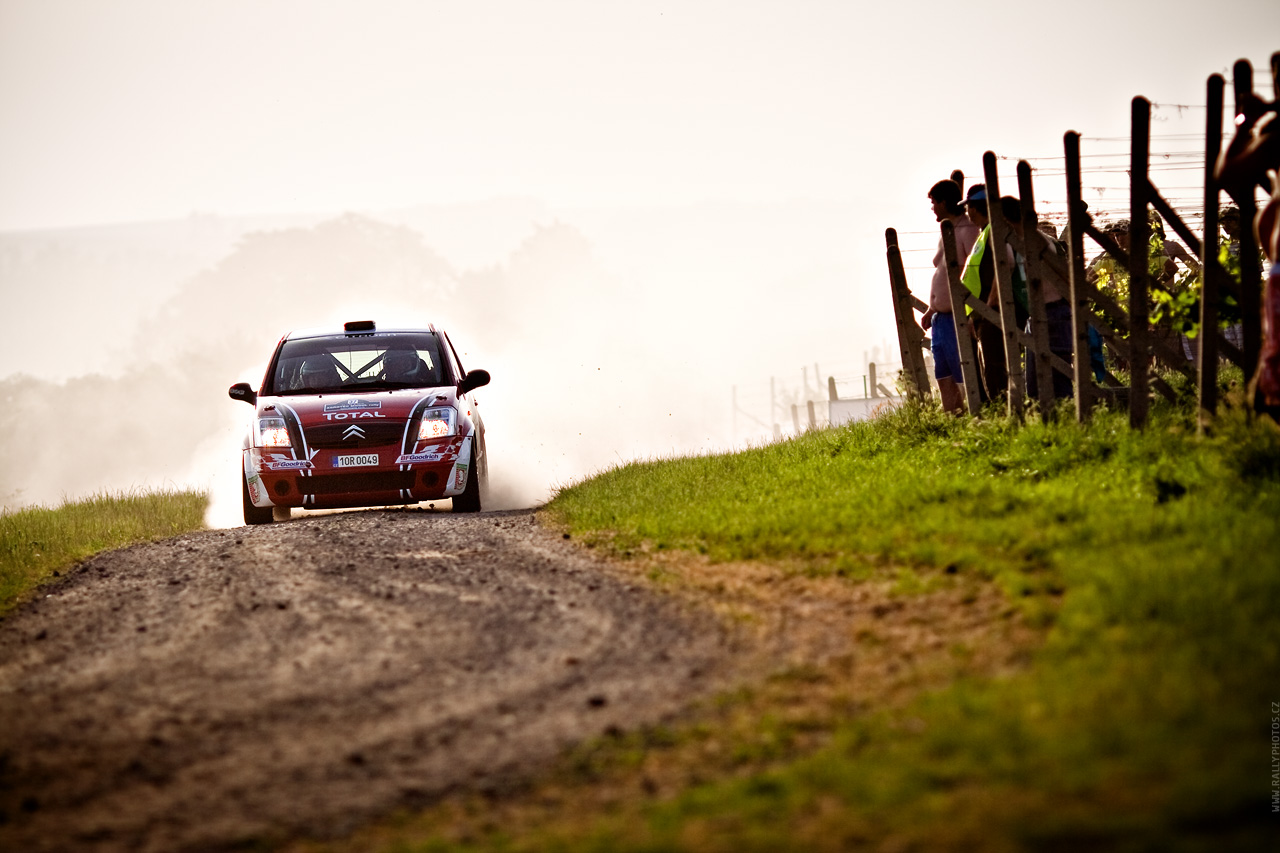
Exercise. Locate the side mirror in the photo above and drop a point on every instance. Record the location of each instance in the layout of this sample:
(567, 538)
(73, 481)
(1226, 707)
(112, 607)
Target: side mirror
(473, 380)
(242, 391)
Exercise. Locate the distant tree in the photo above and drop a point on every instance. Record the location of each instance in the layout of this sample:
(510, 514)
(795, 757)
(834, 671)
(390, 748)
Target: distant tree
(275, 281)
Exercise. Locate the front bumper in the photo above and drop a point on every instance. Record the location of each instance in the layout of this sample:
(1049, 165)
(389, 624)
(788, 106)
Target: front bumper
(434, 471)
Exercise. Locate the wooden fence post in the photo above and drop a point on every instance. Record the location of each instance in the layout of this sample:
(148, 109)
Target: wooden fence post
(1004, 285)
(1080, 313)
(960, 317)
(1039, 355)
(1212, 272)
(1139, 255)
(910, 335)
(1250, 268)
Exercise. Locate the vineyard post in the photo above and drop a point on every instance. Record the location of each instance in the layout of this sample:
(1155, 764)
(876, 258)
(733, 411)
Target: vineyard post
(960, 318)
(1207, 379)
(910, 335)
(1031, 245)
(1004, 285)
(1139, 254)
(1075, 255)
(1250, 268)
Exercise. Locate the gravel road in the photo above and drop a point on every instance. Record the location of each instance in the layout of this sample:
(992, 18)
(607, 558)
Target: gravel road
(299, 678)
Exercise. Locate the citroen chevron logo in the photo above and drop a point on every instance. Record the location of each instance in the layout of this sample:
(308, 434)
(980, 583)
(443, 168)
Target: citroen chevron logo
(353, 431)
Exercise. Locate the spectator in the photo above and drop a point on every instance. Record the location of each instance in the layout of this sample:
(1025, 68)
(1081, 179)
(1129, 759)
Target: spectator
(1103, 269)
(1229, 222)
(1065, 236)
(945, 198)
(978, 276)
(1252, 160)
(1011, 210)
(1055, 289)
(1171, 252)
(1119, 231)
(1268, 228)
(1097, 357)
(1229, 258)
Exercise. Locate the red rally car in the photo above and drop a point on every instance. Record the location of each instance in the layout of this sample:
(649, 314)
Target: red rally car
(363, 416)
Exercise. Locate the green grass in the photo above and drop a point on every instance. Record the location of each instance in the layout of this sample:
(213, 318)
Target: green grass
(1023, 505)
(38, 543)
(1149, 559)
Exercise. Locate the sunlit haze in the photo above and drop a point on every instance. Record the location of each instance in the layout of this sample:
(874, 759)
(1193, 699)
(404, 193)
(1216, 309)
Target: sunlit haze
(633, 215)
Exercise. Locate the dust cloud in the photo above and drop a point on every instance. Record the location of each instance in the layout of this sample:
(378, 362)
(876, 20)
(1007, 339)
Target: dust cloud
(611, 335)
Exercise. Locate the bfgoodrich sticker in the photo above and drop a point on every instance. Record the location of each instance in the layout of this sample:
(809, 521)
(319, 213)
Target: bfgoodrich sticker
(410, 458)
(290, 465)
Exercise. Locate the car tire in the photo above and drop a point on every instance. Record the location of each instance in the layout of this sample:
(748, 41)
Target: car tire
(469, 500)
(253, 514)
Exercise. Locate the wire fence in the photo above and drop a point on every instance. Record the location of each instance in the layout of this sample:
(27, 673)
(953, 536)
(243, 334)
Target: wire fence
(1147, 188)
(785, 406)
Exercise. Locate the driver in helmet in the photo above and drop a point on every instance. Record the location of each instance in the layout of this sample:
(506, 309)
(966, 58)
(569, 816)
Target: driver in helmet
(318, 373)
(401, 365)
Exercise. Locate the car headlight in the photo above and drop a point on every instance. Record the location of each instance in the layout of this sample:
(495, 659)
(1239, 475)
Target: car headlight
(438, 423)
(272, 433)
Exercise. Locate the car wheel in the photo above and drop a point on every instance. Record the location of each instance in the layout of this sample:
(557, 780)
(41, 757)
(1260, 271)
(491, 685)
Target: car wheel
(253, 514)
(469, 500)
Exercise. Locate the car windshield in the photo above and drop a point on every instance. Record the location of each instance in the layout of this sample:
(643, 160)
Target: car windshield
(347, 363)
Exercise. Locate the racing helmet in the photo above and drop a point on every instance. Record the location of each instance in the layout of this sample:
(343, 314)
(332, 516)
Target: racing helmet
(318, 372)
(401, 364)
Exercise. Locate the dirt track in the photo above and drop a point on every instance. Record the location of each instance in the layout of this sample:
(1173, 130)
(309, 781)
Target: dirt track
(302, 677)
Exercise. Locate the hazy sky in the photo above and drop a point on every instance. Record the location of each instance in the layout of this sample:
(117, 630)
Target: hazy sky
(731, 165)
(127, 110)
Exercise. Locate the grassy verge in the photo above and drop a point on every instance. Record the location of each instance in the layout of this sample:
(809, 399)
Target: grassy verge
(1145, 562)
(38, 543)
(1146, 715)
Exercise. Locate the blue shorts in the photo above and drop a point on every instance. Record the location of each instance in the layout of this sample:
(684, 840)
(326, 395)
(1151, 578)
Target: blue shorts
(946, 350)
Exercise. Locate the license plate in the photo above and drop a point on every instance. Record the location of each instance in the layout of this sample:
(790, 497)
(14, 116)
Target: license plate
(356, 460)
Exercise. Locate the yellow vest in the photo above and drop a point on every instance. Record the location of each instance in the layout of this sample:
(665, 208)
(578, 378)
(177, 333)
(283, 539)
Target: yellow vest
(971, 278)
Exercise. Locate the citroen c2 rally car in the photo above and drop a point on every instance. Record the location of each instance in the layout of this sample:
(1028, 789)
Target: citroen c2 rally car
(363, 416)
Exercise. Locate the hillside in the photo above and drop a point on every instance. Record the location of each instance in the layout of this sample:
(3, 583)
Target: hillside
(1025, 638)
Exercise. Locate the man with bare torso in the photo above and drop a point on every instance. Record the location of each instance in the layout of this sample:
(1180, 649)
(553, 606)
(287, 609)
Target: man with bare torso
(945, 198)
